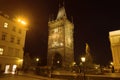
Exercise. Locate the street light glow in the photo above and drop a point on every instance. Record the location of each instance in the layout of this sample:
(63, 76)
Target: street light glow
(21, 60)
(21, 21)
(37, 59)
(111, 63)
(58, 62)
(83, 59)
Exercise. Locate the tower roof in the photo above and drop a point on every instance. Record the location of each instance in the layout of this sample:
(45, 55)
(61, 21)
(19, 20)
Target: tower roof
(61, 13)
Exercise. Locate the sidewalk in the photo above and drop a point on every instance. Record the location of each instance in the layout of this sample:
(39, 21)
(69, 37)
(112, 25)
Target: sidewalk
(32, 75)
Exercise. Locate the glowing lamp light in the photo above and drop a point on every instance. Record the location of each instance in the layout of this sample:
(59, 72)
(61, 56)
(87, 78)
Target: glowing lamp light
(111, 63)
(73, 63)
(83, 59)
(58, 62)
(21, 21)
(37, 59)
(61, 44)
(21, 60)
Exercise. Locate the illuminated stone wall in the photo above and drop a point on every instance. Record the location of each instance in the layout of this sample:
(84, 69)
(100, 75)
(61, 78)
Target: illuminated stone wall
(60, 39)
(115, 47)
(12, 40)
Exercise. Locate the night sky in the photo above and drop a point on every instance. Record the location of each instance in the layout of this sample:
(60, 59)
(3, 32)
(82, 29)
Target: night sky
(92, 22)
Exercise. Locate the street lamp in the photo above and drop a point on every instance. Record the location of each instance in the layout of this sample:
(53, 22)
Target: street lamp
(112, 67)
(74, 63)
(58, 62)
(83, 61)
(37, 59)
(21, 21)
(111, 63)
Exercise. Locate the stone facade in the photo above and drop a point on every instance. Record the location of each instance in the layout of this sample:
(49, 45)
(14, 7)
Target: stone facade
(60, 40)
(115, 47)
(12, 39)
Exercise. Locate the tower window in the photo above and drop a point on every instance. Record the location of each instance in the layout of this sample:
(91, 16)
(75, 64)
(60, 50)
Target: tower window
(56, 30)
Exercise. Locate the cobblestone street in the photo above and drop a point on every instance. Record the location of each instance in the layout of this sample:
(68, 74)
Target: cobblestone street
(19, 78)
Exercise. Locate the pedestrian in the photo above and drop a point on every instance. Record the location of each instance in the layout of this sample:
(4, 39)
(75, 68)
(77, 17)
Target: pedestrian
(113, 69)
(17, 71)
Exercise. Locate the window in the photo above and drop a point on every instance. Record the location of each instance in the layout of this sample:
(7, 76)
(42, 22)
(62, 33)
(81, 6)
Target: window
(13, 69)
(11, 51)
(1, 51)
(20, 31)
(14, 28)
(12, 39)
(4, 35)
(18, 41)
(7, 68)
(5, 25)
(17, 52)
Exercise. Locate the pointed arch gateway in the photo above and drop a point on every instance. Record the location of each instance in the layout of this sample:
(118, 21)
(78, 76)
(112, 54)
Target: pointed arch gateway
(60, 40)
(57, 60)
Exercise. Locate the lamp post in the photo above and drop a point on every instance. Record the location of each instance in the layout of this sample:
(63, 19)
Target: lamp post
(112, 67)
(83, 61)
(37, 61)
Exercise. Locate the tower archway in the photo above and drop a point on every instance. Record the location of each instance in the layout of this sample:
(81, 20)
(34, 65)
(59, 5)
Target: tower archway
(57, 60)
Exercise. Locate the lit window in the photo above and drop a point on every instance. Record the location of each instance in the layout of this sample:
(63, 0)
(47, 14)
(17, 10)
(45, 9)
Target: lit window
(69, 40)
(5, 25)
(13, 69)
(1, 51)
(7, 67)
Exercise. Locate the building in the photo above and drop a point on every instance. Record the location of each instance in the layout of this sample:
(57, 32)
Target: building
(60, 41)
(115, 47)
(12, 39)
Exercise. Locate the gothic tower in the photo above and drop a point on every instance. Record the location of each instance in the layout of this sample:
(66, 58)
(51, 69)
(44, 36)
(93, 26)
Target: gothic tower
(60, 41)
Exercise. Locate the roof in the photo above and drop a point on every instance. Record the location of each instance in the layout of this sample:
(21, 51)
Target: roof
(61, 13)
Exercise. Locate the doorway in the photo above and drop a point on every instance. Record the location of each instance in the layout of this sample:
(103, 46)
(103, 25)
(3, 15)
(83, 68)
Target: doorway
(57, 60)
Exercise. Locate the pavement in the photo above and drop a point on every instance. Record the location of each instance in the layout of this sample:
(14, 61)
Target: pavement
(33, 75)
(105, 75)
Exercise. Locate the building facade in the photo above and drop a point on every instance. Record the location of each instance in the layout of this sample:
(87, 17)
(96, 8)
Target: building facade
(115, 47)
(60, 41)
(12, 39)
